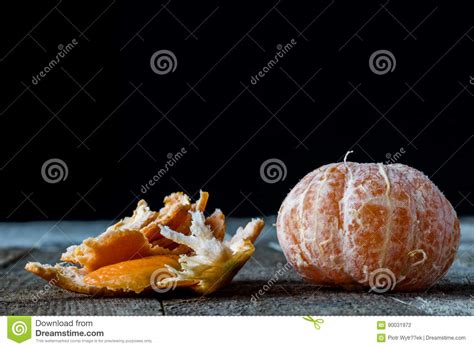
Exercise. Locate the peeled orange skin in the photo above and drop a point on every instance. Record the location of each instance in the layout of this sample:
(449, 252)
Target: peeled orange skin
(133, 275)
(344, 221)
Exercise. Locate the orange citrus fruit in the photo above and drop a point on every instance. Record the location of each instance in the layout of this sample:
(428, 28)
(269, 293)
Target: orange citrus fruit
(345, 224)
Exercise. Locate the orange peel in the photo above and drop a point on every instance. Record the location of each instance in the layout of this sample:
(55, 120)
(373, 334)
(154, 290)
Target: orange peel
(214, 262)
(174, 247)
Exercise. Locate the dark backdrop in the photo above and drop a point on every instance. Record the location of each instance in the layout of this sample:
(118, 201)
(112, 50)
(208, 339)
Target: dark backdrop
(113, 122)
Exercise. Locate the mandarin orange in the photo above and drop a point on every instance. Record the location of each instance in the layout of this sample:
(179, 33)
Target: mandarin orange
(368, 225)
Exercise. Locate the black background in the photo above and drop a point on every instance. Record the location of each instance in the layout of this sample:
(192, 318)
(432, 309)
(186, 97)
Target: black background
(112, 120)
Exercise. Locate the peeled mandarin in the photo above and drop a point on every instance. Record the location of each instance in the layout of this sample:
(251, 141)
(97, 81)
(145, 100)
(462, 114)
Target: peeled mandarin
(346, 224)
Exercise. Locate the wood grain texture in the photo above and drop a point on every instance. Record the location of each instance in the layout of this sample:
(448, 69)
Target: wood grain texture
(10, 256)
(282, 292)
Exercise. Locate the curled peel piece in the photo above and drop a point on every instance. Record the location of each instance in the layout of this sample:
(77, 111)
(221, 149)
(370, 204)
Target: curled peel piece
(187, 250)
(216, 221)
(117, 279)
(174, 213)
(130, 276)
(112, 247)
(136, 236)
(214, 263)
(179, 220)
(69, 278)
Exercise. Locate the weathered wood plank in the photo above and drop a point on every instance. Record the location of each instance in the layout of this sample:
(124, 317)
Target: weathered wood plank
(23, 293)
(282, 292)
(286, 299)
(81, 305)
(265, 286)
(10, 256)
(289, 295)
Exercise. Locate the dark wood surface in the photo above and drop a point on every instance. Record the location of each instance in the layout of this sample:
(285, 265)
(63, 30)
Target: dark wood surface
(23, 293)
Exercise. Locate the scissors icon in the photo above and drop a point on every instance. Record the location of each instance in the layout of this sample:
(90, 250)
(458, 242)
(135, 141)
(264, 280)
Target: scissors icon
(316, 322)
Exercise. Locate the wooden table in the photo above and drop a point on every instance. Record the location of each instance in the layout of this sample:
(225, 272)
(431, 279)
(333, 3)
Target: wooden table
(285, 294)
